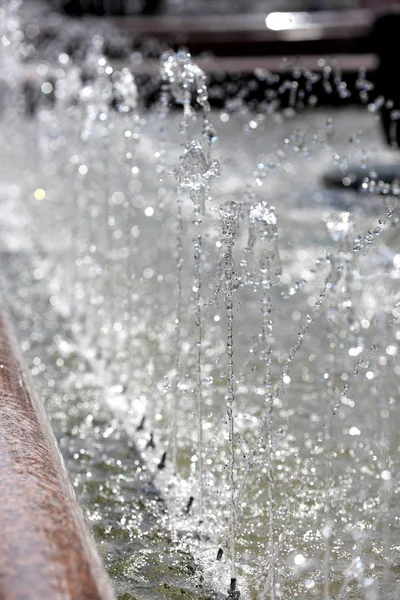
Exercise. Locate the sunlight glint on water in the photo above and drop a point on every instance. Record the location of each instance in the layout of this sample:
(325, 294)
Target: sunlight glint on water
(254, 451)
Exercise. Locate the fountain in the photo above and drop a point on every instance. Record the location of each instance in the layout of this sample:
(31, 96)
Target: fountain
(215, 334)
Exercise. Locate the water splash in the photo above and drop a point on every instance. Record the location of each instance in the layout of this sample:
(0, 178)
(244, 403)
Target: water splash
(178, 329)
(229, 214)
(182, 80)
(68, 86)
(358, 245)
(125, 91)
(96, 95)
(263, 269)
(195, 174)
(340, 226)
(12, 52)
(265, 266)
(297, 503)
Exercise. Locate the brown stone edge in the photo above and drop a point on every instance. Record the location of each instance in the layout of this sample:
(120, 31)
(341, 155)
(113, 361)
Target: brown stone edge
(46, 550)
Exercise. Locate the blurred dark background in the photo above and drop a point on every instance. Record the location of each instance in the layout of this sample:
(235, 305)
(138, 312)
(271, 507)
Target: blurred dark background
(184, 7)
(243, 41)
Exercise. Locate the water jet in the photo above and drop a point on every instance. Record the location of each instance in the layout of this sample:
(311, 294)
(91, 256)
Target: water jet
(271, 434)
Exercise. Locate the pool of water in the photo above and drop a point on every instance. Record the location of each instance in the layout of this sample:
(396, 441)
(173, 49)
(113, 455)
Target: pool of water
(94, 306)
